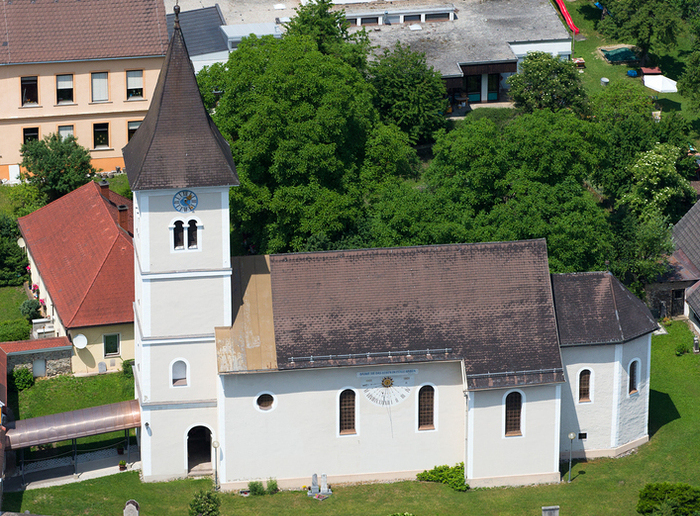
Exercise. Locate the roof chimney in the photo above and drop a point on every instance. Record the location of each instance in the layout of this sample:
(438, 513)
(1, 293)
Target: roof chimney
(123, 216)
(104, 188)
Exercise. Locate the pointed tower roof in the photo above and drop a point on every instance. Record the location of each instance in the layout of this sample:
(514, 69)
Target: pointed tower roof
(178, 145)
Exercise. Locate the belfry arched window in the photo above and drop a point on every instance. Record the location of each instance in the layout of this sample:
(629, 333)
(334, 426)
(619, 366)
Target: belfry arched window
(186, 234)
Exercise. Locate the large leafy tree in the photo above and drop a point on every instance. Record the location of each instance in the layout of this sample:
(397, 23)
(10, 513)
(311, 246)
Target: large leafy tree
(13, 261)
(546, 82)
(689, 82)
(56, 165)
(410, 93)
(300, 123)
(329, 29)
(646, 23)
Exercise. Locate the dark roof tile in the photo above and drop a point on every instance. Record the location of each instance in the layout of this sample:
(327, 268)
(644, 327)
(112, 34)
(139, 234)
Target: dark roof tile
(178, 145)
(201, 30)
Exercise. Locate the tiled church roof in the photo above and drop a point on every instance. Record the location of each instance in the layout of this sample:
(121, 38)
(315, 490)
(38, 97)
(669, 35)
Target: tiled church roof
(487, 304)
(178, 145)
(595, 308)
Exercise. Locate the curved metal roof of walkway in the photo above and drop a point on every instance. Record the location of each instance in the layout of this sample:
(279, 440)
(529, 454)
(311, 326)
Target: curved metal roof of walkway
(70, 425)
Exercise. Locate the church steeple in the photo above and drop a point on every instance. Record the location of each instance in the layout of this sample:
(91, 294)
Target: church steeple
(178, 145)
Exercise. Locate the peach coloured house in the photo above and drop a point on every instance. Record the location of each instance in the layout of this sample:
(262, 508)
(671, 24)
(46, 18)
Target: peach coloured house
(84, 68)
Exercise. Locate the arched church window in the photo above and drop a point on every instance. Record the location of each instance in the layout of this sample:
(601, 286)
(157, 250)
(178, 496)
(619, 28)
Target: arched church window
(584, 386)
(633, 376)
(347, 412)
(179, 374)
(192, 234)
(513, 411)
(179, 235)
(426, 412)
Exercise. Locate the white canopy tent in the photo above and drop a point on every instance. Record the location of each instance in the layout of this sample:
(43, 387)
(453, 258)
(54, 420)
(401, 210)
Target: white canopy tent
(660, 83)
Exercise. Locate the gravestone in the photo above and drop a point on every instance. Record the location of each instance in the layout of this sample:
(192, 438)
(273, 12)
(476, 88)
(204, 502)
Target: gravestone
(314, 485)
(131, 508)
(324, 485)
(552, 510)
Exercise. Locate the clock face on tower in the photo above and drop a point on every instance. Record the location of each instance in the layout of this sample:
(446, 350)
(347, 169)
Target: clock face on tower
(388, 388)
(185, 201)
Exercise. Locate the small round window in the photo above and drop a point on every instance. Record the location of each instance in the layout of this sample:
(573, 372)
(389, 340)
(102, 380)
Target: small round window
(265, 401)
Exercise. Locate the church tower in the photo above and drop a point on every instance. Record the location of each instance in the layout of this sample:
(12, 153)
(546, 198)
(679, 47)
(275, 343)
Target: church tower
(180, 169)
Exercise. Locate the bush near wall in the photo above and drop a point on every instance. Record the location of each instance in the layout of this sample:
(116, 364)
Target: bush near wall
(685, 498)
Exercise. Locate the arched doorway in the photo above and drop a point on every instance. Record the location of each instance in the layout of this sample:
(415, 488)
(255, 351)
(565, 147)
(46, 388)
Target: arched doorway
(199, 451)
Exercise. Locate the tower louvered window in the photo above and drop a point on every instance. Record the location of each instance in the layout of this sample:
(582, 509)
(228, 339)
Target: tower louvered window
(426, 400)
(347, 412)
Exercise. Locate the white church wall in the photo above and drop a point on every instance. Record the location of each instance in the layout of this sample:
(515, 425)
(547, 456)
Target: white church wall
(299, 435)
(634, 407)
(164, 441)
(187, 305)
(199, 358)
(157, 249)
(594, 417)
(532, 457)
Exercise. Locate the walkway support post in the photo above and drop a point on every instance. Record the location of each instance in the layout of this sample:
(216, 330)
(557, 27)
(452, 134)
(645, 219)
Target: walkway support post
(75, 456)
(128, 449)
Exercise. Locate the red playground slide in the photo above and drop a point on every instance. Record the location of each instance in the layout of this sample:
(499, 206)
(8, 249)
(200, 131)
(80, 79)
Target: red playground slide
(567, 16)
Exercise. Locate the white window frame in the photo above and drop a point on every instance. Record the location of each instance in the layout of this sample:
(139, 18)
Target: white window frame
(187, 373)
(136, 82)
(435, 409)
(99, 91)
(522, 415)
(357, 413)
(104, 345)
(63, 84)
(64, 136)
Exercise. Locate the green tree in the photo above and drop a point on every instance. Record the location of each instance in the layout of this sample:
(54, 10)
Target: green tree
(13, 261)
(329, 29)
(657, 185)
(646, 23)
(546, 82)
(689, 82)
(410, 93)
(56, 165)
(211, 80)
(298, 121)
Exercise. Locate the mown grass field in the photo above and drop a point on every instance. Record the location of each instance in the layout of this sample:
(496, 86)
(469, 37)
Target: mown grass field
(10, 299)
(601, 487)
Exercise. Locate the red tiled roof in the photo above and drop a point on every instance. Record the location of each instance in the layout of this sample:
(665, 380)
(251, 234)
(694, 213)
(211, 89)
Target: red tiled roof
(74, 30)
(84, 258)
(19, 346)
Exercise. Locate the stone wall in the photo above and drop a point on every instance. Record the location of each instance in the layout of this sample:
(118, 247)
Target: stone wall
(658, 293)
(57, 362)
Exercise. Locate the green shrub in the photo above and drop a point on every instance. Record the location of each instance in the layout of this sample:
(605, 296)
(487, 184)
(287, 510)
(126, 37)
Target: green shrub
(205, 503)
(272, 486)
(30, 309)
(256, 488)
(127, 368)
(20, 379)
(660, 496)
(19, 329)
(451, 476)
(681, 349)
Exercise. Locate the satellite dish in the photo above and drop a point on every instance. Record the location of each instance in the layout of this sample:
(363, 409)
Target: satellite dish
(80, 341)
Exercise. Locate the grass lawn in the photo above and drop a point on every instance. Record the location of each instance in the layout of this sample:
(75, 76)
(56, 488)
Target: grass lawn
(584, 15)
(10, 299)
(600, 487)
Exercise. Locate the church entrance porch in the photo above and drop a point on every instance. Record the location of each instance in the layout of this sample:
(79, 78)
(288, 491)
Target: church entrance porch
(199, 452)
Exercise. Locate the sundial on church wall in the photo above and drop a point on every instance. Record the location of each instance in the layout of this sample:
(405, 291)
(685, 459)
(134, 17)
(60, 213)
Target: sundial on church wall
(387, 388)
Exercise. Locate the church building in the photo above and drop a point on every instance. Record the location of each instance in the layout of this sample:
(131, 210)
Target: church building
(367, 364)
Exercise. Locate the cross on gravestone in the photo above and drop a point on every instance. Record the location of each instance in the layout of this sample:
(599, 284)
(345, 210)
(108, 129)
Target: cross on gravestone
(101, 367)
(314, 485)
(324, 485)
(131, 508)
